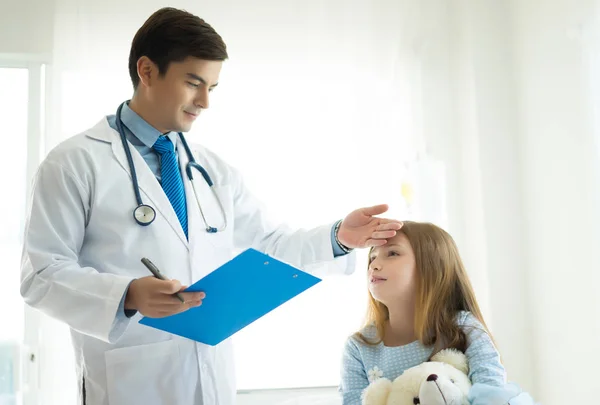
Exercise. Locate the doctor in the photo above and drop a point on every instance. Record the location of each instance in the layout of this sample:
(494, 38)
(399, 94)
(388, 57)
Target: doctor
(121, 191)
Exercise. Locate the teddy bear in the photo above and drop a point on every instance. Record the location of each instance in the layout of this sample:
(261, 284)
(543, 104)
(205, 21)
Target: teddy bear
(441, 381)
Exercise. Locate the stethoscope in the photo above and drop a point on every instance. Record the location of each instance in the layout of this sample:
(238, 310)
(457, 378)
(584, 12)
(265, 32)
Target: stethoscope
(144, 214)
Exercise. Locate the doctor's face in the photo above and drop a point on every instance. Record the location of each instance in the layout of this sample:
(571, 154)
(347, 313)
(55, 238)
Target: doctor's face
(179, 96)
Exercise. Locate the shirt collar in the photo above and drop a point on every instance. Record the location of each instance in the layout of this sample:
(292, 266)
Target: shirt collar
(141, 129)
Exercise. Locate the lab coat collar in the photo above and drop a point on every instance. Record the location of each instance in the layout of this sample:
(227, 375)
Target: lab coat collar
(154, 194)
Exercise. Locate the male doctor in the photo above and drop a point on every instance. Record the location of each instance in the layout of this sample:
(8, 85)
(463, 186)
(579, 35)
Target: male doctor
(84, 242)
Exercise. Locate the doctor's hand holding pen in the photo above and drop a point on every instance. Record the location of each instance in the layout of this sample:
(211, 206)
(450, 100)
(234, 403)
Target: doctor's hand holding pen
(156, 297)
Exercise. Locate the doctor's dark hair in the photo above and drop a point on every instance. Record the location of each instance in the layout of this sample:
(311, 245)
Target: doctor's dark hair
(172, 35)
(443, 290)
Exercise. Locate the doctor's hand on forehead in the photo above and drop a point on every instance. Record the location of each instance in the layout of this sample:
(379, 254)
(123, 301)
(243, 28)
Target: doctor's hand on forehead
(362, 229)
(154, 298)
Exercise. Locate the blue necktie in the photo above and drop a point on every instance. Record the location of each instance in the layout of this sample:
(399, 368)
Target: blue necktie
(171, 180)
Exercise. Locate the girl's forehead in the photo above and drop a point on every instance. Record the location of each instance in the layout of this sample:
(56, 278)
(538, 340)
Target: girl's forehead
(399, 239)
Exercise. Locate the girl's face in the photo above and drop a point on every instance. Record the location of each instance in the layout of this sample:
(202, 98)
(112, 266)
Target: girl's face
(392, 271)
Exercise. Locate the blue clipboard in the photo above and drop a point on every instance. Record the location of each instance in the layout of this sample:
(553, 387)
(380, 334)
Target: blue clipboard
(238, 293)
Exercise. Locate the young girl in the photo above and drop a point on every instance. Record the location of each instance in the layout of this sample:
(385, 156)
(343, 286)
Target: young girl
(421, 301)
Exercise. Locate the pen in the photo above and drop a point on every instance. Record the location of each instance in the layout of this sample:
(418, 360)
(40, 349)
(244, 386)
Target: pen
(154, 270)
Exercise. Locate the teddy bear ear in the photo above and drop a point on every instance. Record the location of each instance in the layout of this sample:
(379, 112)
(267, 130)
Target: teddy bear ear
(454, 357)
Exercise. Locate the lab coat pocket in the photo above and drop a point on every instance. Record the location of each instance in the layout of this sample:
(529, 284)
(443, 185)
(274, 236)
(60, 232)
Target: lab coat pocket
(145, 374)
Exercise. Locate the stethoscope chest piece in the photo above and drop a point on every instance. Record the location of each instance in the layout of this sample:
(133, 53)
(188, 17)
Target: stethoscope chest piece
(144, 214)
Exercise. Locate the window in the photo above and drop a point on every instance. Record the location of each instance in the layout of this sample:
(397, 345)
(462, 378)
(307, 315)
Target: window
(13, 165)
(14, 83)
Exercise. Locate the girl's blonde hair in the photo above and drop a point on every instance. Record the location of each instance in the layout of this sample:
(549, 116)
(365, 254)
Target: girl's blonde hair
(443, 289)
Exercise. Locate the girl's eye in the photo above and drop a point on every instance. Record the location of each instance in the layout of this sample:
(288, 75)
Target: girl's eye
(192, 85)
(392, 253)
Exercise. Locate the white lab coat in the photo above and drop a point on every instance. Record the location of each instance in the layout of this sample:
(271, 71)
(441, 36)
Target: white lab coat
(82, 249)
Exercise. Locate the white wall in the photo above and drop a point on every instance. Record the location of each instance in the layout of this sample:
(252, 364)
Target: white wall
(26, 27)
